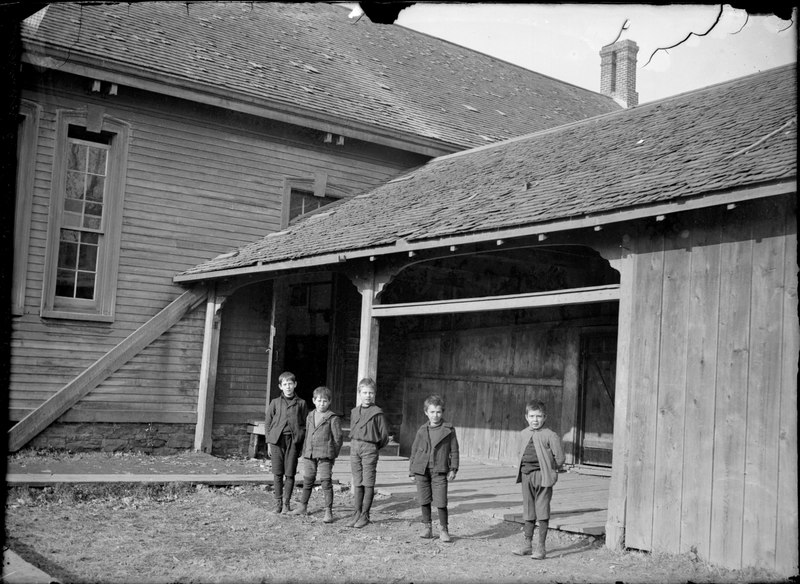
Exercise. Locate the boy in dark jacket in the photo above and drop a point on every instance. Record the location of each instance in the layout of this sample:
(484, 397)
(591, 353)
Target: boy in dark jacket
(322, 446)
(285, 430)
(368, 434)
(434, 462)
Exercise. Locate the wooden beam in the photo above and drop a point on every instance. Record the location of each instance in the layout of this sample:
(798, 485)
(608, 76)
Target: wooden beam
(368, 337)
(509, 302)
(40, 418)
(617, 497)
(208, 374)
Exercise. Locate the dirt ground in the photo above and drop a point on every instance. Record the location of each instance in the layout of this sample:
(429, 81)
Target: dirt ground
(183, 533)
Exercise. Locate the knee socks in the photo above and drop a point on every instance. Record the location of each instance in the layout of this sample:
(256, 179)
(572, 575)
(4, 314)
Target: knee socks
(277, 486)
(308, 485)
(426, 513)
(529, 525)
(369, 493)
(442, 517)
(358, 499)
(288, 487)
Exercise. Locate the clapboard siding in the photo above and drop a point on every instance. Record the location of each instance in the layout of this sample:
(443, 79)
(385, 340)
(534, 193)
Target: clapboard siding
(713, 370)
(199, 182)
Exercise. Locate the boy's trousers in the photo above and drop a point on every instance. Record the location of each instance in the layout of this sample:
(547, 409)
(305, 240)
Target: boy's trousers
(535, 497)
(432, 487)
(363, 462)
(284, 456)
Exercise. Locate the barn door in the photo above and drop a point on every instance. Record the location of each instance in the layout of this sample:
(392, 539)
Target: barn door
(598, 376)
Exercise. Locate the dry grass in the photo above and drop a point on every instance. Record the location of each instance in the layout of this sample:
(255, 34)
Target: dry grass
(177, 533)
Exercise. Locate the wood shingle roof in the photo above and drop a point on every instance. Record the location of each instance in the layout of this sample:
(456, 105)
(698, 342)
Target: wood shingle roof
(734, 135)
(311, 61)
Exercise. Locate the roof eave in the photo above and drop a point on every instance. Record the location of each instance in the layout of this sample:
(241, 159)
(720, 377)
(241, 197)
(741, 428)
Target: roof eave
(127, 76)
(726, 197)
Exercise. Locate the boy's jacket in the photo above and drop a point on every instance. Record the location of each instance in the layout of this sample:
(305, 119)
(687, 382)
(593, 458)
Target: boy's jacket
(369, 425)
(548, 450)
(325, 440)
(445, 451)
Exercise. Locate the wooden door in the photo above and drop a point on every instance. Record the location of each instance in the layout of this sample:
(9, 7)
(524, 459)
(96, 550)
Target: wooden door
(598, 376)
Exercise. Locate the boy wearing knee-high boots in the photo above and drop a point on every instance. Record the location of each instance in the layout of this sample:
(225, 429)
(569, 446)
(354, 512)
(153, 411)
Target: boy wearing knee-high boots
(434, 463)
(285, 431)
(368, 434)
(322, 445)
(541, 454)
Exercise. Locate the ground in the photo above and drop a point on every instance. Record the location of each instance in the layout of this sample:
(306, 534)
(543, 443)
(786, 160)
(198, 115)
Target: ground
(184, 533)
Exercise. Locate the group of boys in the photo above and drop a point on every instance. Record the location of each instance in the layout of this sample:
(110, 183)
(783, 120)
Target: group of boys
(292, 431)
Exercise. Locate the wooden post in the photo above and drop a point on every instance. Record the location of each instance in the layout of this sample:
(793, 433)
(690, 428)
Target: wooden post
(569, 395)
(617, 497)
(208, 373)
(277, 333)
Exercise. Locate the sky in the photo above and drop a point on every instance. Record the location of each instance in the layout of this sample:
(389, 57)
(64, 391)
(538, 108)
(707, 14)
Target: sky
(564, 40)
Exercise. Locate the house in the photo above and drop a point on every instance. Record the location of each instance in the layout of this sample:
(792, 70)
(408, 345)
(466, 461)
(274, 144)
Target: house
(155, 136)
(636, 271)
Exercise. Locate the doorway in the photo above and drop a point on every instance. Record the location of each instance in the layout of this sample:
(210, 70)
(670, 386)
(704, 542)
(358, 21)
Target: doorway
(596, 409)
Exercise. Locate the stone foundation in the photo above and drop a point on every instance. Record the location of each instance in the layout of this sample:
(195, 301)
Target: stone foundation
(228, 439)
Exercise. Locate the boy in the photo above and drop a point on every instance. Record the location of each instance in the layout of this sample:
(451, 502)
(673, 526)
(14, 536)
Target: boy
(434, 462)
(368, 434)
(285, 429)
(540, 454)
(322, 446)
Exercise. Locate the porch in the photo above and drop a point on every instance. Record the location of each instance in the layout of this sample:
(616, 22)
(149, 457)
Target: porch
(580, 501)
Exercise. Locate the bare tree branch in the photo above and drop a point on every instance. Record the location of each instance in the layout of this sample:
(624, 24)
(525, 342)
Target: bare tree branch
(621, 30)
(791, 24)
(688, 36)
(746, 20)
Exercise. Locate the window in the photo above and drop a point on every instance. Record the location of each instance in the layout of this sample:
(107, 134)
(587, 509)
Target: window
(302, 196)
(302, 202)
(85, 216)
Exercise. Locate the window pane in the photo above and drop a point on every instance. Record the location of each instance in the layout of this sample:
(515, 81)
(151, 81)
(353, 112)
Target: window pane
(71, 219)
(75, 184)
(95, 209)
(90, 222)
(90, 238)
(87, 259)
(65, 283)
(73, 206)
(95, 187)
(67, 255)
(76, 158)
(70, 235)
(85, 287)
(97, 160)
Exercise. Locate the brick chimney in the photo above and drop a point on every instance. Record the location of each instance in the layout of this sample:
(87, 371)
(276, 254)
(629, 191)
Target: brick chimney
(618, 72)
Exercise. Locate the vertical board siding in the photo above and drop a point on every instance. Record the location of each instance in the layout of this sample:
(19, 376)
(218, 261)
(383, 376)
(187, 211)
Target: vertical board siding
(701, 370)
(786, 554)
(460, 366)
(645, 349)
(759, 527)
(671, 394)
(199, 182)
(713, 390)
(730, 420)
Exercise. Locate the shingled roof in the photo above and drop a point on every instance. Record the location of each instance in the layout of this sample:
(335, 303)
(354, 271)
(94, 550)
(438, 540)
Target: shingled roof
(310, 61)
(730, 136)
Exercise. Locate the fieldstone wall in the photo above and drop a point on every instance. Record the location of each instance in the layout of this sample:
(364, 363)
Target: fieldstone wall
(228, 439)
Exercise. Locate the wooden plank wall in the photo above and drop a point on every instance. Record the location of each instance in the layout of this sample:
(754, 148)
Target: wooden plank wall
(713, 388)
(200, 182)
(486, 376)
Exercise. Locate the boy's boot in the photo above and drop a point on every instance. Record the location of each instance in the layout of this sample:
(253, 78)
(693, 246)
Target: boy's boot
(302, 506)
(444, 534)
(277, 488)
(301, 509)
(426, 522)
(328, 506)
(526, 549)
(288, 487)
(358, 501)
(540, 552)
(363, 520)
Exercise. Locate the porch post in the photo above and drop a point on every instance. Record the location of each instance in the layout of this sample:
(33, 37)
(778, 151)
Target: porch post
(277, 333)
(617, 497)
(368, 337)
(208, 372)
